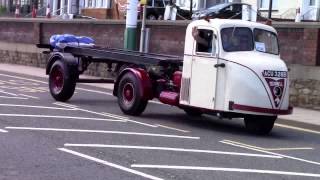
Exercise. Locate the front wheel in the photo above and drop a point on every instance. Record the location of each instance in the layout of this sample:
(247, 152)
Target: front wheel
(62, 81)
(129, 95)
(261, 125)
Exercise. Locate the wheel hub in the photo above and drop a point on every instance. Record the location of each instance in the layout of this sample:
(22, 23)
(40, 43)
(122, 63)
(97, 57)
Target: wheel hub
(57, 80)
(128, 93)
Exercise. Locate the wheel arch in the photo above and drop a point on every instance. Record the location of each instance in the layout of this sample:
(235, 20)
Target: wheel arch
(68, 58)
(143, 77)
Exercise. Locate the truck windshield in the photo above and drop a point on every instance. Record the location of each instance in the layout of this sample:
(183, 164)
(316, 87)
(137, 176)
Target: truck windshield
(266, 41)
(237, 39)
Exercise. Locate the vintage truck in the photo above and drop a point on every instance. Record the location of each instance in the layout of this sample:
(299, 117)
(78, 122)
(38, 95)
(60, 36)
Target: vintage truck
(237, 73)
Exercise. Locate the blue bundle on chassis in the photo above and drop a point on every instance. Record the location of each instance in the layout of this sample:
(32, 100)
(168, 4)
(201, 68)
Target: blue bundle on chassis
(60, 41)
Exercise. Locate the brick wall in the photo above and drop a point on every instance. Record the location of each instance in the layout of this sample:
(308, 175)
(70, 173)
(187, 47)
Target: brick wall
(299, 46)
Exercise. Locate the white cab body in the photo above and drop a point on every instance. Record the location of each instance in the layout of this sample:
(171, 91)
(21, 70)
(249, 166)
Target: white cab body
(250, 82)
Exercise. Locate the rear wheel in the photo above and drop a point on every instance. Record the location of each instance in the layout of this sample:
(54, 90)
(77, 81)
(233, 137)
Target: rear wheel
(129, 95)
(62, 81)
(261, 125)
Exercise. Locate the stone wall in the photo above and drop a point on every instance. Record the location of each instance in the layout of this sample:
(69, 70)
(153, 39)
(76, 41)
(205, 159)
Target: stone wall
(305, 86)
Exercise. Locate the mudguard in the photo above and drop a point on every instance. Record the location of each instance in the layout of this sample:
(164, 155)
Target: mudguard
(142, 76)
(68, 58)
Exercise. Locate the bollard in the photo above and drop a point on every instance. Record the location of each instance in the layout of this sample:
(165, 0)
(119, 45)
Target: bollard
(48, 11)
(17, 12)
(34, 11)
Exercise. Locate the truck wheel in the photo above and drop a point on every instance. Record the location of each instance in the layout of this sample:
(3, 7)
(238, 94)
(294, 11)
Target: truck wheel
(130, 95)
(62, 81)
(261, 125)
(192, 112)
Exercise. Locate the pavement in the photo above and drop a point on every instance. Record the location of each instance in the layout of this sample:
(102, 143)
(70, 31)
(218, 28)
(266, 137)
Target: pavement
(300, 115)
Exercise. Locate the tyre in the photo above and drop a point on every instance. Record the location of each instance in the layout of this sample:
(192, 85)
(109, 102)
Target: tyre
(192, 112)
(129, 95)
(62, 81)
(260, 125)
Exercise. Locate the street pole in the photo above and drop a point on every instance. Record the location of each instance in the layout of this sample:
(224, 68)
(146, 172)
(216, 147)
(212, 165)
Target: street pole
(143, 29)
(130, 35)
(191, 2)
(270, 9)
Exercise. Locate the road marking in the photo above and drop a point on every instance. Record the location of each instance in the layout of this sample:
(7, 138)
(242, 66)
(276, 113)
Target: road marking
(28, 96)
(66, 105)
(259, 171)
(61, 117)
(3, 131)
(111, 94)
(237, 144)
(114, 116)
(6, 97)
(271, 149)
(171, 149)
(4, 92)
(297, 128)
(145, 124)
(104, 132)
(167, 127)
(95, 91)
(88, 111)
(18, 77)
(109, 164)
(288, 149)
(38, 107)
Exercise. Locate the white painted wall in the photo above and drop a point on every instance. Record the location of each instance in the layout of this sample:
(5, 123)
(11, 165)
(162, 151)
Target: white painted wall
(281, 8)
(309, 12)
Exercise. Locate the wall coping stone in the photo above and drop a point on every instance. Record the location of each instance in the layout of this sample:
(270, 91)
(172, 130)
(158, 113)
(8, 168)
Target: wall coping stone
(149, 22)
(303, 72)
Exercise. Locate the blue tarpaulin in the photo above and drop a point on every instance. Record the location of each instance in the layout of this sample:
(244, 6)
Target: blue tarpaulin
(63, 40)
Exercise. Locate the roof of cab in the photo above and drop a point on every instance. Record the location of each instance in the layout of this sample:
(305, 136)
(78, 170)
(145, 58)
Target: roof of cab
(224, 23)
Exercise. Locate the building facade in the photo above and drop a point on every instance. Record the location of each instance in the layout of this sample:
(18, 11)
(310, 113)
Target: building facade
(281, 9)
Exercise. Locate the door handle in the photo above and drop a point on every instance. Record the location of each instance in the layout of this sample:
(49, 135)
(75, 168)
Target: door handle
(220, 65)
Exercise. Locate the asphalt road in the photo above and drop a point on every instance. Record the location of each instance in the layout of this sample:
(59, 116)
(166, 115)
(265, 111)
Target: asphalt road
(90, 138)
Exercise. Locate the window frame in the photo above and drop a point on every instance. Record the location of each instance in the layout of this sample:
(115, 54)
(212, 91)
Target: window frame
(252, 39)
(213, 43)
(253, 33)
(312, 4)
(275, 5)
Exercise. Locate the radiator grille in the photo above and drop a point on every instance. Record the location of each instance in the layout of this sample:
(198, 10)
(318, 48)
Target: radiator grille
(185, 89)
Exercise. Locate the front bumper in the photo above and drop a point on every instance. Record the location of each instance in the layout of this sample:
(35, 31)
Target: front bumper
(253, 109)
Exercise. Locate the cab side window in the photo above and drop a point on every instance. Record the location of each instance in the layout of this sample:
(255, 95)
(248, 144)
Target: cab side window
(203, 38)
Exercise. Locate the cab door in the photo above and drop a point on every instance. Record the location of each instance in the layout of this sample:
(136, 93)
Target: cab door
(204, 72)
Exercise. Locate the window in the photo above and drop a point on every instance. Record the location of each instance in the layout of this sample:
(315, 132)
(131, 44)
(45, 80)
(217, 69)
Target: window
(237, 39)
(266, 41)
(204, 40)
(312, 2)
(264, 4)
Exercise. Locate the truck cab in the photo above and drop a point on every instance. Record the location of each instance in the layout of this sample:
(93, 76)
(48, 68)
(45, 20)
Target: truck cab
(238, 73)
